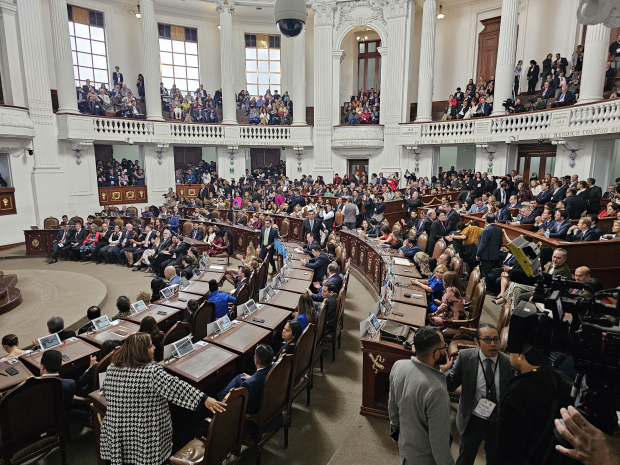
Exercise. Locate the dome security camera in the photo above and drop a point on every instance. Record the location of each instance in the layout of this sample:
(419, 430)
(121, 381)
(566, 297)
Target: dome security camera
(290, 16)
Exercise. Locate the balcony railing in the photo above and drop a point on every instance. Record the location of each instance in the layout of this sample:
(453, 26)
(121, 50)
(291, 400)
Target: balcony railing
(582, 120)
(16, 125)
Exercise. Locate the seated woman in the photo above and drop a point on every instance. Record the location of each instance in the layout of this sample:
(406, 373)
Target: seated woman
(148, 253)
(234, 276)
(217, 247)
(291, 332)
(433, 286)
(149, 326)
(210, 235)
(451, 307)
(387, 236)
(366, 228)
(297, 213)
(614, 234)
(610, 211)
(398, 237)
(305, 312)
(264, 116)
(364, 117)
(10, 344)
(90, 242)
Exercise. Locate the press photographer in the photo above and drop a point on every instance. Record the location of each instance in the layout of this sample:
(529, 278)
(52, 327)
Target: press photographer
(514, 107)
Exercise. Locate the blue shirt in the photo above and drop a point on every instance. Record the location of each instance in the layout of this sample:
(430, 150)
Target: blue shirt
(172, 224)
(303, 321)
(437, 286)
(221, 299)
(410, 252)
(175, 280)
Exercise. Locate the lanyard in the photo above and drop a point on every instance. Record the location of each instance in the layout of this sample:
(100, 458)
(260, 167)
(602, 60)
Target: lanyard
(486, 381)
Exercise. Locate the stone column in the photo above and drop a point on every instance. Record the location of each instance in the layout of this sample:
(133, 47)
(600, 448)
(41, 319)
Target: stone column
(427, 62)
(63, 62)
(323, 84)
(10, 67)
(384, 78)
(150, 61)
(299, 79)
(593, 74)
(504, 70)
(229, 106)
(337, 57)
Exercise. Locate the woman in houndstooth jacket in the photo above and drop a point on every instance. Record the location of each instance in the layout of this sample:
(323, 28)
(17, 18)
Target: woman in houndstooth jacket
(137, 428)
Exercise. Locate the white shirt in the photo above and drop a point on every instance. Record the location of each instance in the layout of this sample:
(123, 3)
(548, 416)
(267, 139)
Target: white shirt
(481, 384)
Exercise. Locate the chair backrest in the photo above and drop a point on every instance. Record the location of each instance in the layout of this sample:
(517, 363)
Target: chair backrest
(226, 429)
(338, 251)
(263, 275)
(102, 367)
(256, 205)
(227, 203)
(203, 316)
(412, 232)
(284, 227)
(98, 221)
(215, 214)
(396, 227)
(474, 279)
(504, 316)
(304, 351)
(178, 331)
(276, 392)
(440, 246)
(450, 251)
(343, 259)
(133, 210)
(119, 222)
(320, 327)
(423, 241)
(49, 222)
(339, 218)
(477, 303)
(243, 295)
(187, 228)
(455, 264)
(203, 229)
(78, 218)
(33, 409)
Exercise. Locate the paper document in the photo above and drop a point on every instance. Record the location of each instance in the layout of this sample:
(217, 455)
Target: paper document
(401, 261)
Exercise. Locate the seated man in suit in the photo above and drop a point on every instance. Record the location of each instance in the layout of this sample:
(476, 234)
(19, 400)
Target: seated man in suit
(170, 273)
(319, 263)
(77, 240)
(545, 221)
(63, 238)
(526, 216)
(513, 202)
(503, 214)
(56, 325)
(583, 231)
(92, 313)
(196, 233)
(333, 276)
(310, 241)
(409, 248)
(330, 303)
(245, 279)
(545, 196)
(51, 362)
(242, 220)
(219, 299)
(172, 223)
(483, 108)
(560, 228)
(566, 98)
(263, 358)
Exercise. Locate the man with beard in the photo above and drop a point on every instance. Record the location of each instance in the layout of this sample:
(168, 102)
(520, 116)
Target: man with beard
(419, 405)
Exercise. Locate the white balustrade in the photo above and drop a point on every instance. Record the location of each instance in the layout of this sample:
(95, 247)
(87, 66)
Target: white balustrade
(133, 127)
(521, 123)
(448, 129)
(197, 131)
(264, 133)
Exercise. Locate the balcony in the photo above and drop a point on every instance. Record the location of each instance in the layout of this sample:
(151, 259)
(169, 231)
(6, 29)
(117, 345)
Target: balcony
(16, 128)
(102, 129)
(581, 120)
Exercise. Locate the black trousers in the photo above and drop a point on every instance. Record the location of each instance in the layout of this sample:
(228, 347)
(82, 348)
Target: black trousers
(478, 430)
(264, 252)
(531, 86)
(486, 266)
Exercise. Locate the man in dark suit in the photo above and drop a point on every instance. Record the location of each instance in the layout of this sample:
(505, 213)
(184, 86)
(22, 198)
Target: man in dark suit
(561, 226)
(51, 362)
(583, 231)
(263, 358)
(311, 224)
(545, 196)
(56, 325)
(527, 216)
(63, 238)
(203, 193)
(242, 220)
(575, 205)
(310, 241)
(596, 194)
(245, 273)
(196, 233)
(77, 239)
(330, 303)
(357, 200)
(565, 99)
(483, 108)
(266, 243)
(118, 252)
(482, 374)
(318, 263)
(489, 244)
(104, 239)
(452, 217)
(503, 214)
(333, 276)
(502, 193)
(546, 220)
(117, 77)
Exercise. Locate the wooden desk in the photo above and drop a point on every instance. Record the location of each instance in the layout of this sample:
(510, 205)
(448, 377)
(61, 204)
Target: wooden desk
(202, 366)
(8, 382)
(242, 339)
(366, 258)
(294, 285)
(274, 317)
(207, 276)
(413, 315)
(398, 296)
(98, 408)
(298, 265)
(200, 288)
(283, 299)
(97, 338)
(77, 350)
(407, 271)
(378, 359)
(299, 256)
(174, 301)
(164, 322)
(302, 275)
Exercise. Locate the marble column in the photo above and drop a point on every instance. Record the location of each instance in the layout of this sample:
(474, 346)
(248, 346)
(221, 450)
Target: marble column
(229, 106)
(506, 50)
(150, 61)
(384, 77)
(63, 62)
(299, 79)
(427, 62)
(10, 66)
(337, 57)
(593, 74)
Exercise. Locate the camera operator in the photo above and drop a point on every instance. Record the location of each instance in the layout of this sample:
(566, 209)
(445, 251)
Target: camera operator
(530, 403)
(518, 107)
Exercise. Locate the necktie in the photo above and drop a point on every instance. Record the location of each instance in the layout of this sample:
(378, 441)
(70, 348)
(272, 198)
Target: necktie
(492, 395)
(311, 225)
(64, 235)
(266, 236)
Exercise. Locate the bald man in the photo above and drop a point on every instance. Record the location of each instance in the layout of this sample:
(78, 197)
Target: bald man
(170, 273)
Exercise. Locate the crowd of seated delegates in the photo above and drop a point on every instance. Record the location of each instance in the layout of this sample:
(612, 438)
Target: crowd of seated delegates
(204, 173)
(197, 107)
(476, 101)
(121, 99)
(363, 108)
(125, 173)
(267, 110)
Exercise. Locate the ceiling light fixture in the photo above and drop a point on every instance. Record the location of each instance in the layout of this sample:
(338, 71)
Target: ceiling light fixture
(440, 15)
(138, 15)
(365, 37)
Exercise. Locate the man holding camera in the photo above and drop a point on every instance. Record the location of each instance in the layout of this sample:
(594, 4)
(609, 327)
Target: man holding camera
(518, 107)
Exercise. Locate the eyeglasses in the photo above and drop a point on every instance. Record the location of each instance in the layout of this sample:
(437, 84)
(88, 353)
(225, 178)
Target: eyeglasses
(444, 347)
(488, 340)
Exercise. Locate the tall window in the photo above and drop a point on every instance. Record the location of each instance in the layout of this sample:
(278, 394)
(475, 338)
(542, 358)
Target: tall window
(88, 47)
(262, 64)
(178, 56)
(369, 65)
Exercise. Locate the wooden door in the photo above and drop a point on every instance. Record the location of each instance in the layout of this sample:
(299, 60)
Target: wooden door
(488, 40)
(358, 165)
(536, 160)
(184, 155)
(262, 157)
(104, 153)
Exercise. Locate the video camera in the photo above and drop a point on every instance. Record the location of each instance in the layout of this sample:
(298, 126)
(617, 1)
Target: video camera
(590, 335)
(508, 103)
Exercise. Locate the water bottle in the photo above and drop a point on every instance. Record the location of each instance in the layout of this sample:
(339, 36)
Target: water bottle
(547, 233)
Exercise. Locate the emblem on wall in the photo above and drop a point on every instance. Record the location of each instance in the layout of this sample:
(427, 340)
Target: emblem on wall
(377, 363)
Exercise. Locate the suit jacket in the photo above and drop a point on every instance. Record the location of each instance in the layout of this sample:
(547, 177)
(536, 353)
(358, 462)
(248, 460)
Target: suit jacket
(562, 270)
(569, 98)
(489, 243)
(497, 193)
(438, 231)
(503, 216)
(273, 234)
(592, 234)
(558, 231)
(529, 220)
(464, 373)
(105, 240)
(546, 224)
(331, 305)
(316, 229)
(319, 265)
(68, 389)
(452, 218)
(594, 201)
(544, 197)
(68, 236)
(79, 237)
(575, 206)
(485, 107)
(242, 220)
(196, 234)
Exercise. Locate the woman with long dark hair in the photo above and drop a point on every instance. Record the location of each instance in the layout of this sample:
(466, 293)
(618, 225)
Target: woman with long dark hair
(291, 332)
(149, 326)
(305, 313)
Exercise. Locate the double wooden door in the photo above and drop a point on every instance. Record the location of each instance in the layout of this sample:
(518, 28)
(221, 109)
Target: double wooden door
(184, 155)
(262, 157)
(536, 161)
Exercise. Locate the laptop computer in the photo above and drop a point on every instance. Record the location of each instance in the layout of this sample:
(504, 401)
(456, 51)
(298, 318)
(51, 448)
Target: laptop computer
(49, 342)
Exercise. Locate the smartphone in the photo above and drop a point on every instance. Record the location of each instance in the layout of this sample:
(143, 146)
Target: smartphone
(406, 294)
(120, 332)
(258, 320)
(161, 312)
(397, 313)
(65, 358)
(12, 371)
(182, 299)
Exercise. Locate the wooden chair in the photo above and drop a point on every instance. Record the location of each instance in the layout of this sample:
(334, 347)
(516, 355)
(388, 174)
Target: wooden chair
(455, 264)
(223, 441)
(319, 340)
(475, 311)
(49, 222)
(440, 246)
(177, 332)
(504, 316)
(187, 228)
(396, 227)
(102, 367)
(333, 330)
(203, 229)
(76, 218)
(215, 214)
(450, 251)
(344, 260)
(203, 316)
(98, 221)
(119, 222)
(276, 401)
(423, 241)
(32, 421)
(284, 228)
(339, 218)
(227, 203)
(338, 251)
(242, 296)
(133, 210)
(304, 351)
(474, 279)
(256, 205)
(114, 209)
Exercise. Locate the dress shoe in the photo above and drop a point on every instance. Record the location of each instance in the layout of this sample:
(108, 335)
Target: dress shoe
(97, 263)
(137, 268)
(128, 265)
(54, 261)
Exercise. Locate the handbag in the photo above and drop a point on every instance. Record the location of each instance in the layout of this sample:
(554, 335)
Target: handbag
(395, 332)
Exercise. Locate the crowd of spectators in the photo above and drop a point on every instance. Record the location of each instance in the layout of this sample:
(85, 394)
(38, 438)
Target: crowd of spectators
(268, 109)
(363, 108)
(197, 107)
(124, 173)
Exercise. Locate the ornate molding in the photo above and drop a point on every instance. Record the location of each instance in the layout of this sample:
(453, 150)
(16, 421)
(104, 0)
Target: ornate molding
(17, 118)
(12, 144)
(356, 133)
(324, 13)
(361, 13)
(357, 152)
(395, 9)
(592, 12)
(224, 6)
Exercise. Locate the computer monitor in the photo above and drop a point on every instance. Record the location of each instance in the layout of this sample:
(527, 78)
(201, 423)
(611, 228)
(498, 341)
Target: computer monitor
(250, 306)
(197, 272)
(183, 346)
(166, 292)
(223, 324)
(138, 306)
(101, 322)
(375, 324)
(387, 306)
(49, 342)
(269, 291)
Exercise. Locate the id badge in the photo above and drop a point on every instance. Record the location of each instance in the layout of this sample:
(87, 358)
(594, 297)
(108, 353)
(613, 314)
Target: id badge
(484, 408)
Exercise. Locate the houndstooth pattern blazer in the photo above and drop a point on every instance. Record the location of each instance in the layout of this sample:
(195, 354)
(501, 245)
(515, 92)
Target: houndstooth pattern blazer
(137, 428)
